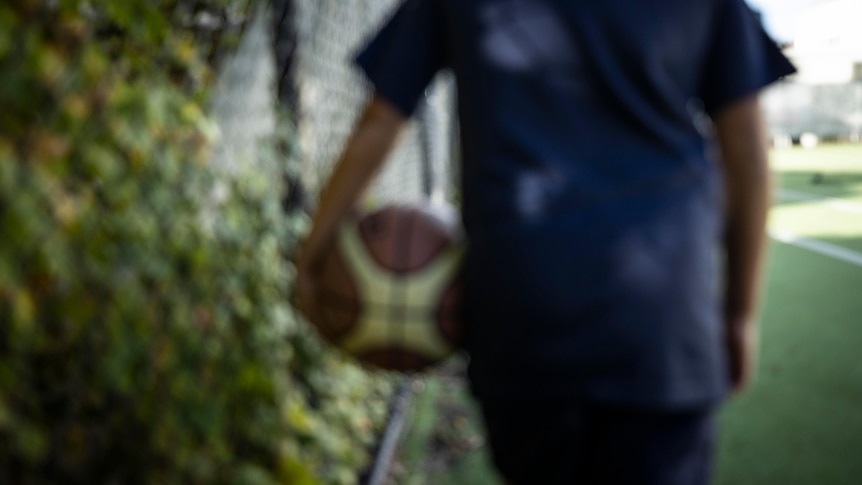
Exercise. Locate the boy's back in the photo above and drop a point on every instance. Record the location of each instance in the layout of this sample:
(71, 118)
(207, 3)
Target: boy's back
(593, 210)
(602, 329)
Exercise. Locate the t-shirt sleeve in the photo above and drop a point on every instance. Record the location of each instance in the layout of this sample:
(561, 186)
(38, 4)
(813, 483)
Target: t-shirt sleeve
(405, 55)
(742, 60)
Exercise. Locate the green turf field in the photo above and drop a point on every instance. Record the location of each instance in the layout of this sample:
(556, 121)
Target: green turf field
(802, 423)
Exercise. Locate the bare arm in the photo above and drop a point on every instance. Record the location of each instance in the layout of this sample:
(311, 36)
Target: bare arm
(373, 138)
(742, 140)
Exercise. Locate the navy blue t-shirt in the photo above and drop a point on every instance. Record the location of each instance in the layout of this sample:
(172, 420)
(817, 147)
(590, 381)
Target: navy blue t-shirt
(592, 206)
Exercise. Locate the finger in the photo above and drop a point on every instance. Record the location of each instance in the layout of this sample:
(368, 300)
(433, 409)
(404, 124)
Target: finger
(736, 364)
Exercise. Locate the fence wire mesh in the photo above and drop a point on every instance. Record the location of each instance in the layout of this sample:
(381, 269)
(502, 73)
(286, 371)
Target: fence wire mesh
(297, 55)
(331, 92)
(244, 103)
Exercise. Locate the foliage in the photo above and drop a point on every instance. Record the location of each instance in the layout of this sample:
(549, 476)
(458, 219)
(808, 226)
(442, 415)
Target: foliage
(139, 343)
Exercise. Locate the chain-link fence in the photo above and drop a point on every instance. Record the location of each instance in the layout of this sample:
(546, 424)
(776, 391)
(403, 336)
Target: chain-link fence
(244, 103)
(829, 112)
(304, 64)
(331, 91)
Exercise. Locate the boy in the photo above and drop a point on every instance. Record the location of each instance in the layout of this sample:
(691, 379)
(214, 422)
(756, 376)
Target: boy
(602, 327)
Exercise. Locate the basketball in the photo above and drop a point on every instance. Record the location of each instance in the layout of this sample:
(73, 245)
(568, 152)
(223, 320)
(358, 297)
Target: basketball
(390, 287)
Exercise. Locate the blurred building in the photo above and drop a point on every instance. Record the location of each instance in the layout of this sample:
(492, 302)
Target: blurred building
(825, 97)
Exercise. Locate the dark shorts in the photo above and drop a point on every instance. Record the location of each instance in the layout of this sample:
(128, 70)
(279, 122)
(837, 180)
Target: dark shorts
(561, 442)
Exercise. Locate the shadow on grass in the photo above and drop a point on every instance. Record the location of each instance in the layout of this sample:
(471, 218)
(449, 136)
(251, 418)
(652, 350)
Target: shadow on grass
(832, 180)
(824, 184)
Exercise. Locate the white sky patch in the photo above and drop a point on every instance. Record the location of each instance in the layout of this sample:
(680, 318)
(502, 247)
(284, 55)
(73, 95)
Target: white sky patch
(779, 15)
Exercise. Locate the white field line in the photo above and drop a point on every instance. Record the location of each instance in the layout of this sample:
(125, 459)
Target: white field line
(819, 247)
(837, 204)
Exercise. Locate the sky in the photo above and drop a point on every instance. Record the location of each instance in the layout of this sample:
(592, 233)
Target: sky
(779, 15)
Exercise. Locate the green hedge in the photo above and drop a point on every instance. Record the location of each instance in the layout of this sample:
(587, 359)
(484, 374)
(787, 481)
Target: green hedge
(144, 331)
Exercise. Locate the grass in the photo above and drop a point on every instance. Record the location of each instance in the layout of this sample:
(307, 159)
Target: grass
(445, 442)
(802, 423)
(840, 168)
